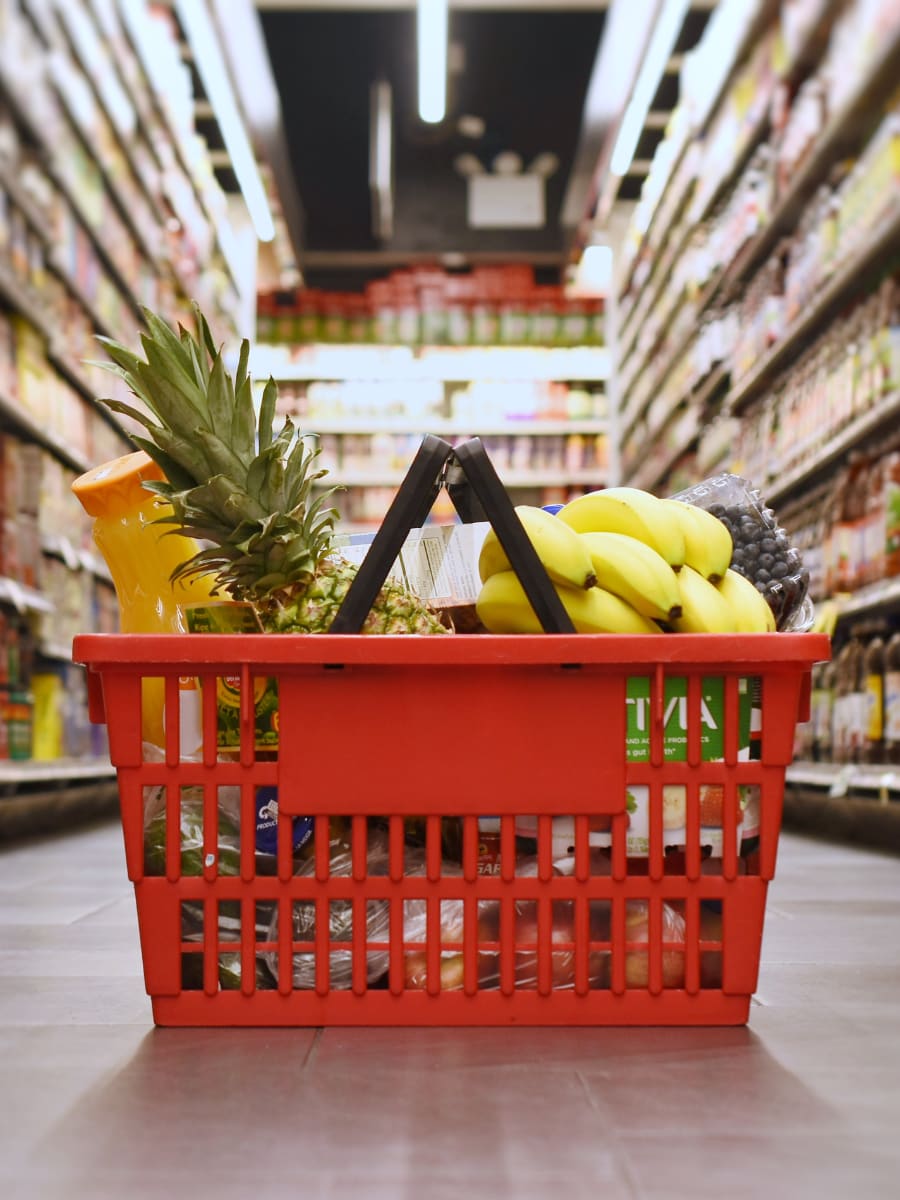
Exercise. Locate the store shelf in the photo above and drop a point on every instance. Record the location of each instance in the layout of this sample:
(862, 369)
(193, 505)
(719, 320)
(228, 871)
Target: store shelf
(840, 778)
(23, 301)
(499, 427)
(102, 77)
(401, 363)
(9, 182)
(14, 416)
(75, 558)
(24, 599)
(817, 460)
(840, 136)
(130, 17)
(549, 477)
(807, 54)
(885, 593)
(20, 297)
(58, 770)
(653, 473)
(848, 279)
(758, 16)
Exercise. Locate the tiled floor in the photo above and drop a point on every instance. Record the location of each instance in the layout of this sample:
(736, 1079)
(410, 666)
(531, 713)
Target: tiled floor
(96, 1104)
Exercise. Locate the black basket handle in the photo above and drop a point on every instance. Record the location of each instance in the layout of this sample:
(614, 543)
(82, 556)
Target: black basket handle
(477, 494)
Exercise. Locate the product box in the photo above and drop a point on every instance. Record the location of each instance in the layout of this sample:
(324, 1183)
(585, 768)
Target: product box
(674, 798)
(438, 562)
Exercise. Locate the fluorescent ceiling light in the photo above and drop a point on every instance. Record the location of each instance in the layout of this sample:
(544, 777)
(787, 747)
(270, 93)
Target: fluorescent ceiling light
(431, 36)
(665, 35)
(204, 43)
(381, 159)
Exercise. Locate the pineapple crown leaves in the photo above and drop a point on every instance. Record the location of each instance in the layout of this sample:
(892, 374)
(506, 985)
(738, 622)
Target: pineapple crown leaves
(185, 385)
(231, 481)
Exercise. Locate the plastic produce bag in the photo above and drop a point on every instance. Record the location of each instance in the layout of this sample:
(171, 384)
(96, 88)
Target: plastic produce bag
(762, 549)
(340, 925)
(228, 843)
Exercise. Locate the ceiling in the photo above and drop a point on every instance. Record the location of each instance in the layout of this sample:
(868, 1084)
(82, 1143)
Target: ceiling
(521, 70)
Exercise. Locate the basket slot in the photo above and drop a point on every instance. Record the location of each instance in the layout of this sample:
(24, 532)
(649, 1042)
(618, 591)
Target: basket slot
(359, 847)
(248, 945)
(396, 965)
(210, 833)
(582, 932)
(173, 832)
(654, 946)
(731, 732)
(396, 849)
(692, 945)
(655, 800)
(323, 945)
(433, 853)
(359, 972)
(507, 848)
(172, 721)
(248, 822)
(470, 843)
(507, 938)
(210, 719)
(470, 945)
(433, 945)
(729, 830)
(692, 855)
(285, 953)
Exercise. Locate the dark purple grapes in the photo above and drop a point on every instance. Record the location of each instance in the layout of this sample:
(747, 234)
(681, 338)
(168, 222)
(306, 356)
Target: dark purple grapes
(762, 549)
(764, 555)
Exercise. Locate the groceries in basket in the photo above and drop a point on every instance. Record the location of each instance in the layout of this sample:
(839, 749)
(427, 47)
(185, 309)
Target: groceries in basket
(657, 565)
(763, 553)
(617, 560)
(244, 490)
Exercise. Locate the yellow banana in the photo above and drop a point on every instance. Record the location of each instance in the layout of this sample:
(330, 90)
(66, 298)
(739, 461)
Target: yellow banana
(503, 607)
(749, 607)
(703, 610)
(631, 511)
(635, 571)
(707, 543)
(564, 555)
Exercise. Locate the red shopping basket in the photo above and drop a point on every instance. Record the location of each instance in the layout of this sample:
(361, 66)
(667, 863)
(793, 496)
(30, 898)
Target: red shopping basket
(557, 829)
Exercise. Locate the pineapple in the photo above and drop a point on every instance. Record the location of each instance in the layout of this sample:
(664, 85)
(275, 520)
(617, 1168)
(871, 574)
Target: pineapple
(243, 491)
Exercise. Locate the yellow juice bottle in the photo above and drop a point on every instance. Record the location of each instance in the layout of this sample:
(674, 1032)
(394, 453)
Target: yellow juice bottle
(141, 557)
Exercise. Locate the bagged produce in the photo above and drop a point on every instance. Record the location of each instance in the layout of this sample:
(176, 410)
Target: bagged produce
(762, 549)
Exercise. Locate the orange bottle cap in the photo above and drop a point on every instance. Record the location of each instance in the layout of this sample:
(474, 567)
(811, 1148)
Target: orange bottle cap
(106, 489)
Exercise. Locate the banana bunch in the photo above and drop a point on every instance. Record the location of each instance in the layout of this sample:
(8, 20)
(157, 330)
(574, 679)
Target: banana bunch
(625, 561)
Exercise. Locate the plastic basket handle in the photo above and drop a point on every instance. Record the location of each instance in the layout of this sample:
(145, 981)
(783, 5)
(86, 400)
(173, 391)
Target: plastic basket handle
(475, 489)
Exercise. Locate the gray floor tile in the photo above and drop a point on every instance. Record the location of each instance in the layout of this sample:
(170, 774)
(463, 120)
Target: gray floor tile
(97, 1104)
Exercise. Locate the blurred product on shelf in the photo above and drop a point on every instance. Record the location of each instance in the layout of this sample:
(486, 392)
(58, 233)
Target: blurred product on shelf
(427, 306)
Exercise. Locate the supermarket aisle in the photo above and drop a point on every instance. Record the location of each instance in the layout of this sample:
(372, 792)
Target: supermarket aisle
(95, 1103)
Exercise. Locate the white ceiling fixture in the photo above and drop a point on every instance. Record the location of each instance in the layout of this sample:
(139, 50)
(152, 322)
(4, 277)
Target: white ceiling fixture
(205, 48)
(431, 46)
(507, 162)
(544, 164)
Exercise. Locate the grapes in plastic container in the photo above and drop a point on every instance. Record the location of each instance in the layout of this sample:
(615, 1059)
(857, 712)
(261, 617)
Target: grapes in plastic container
(763, 552)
